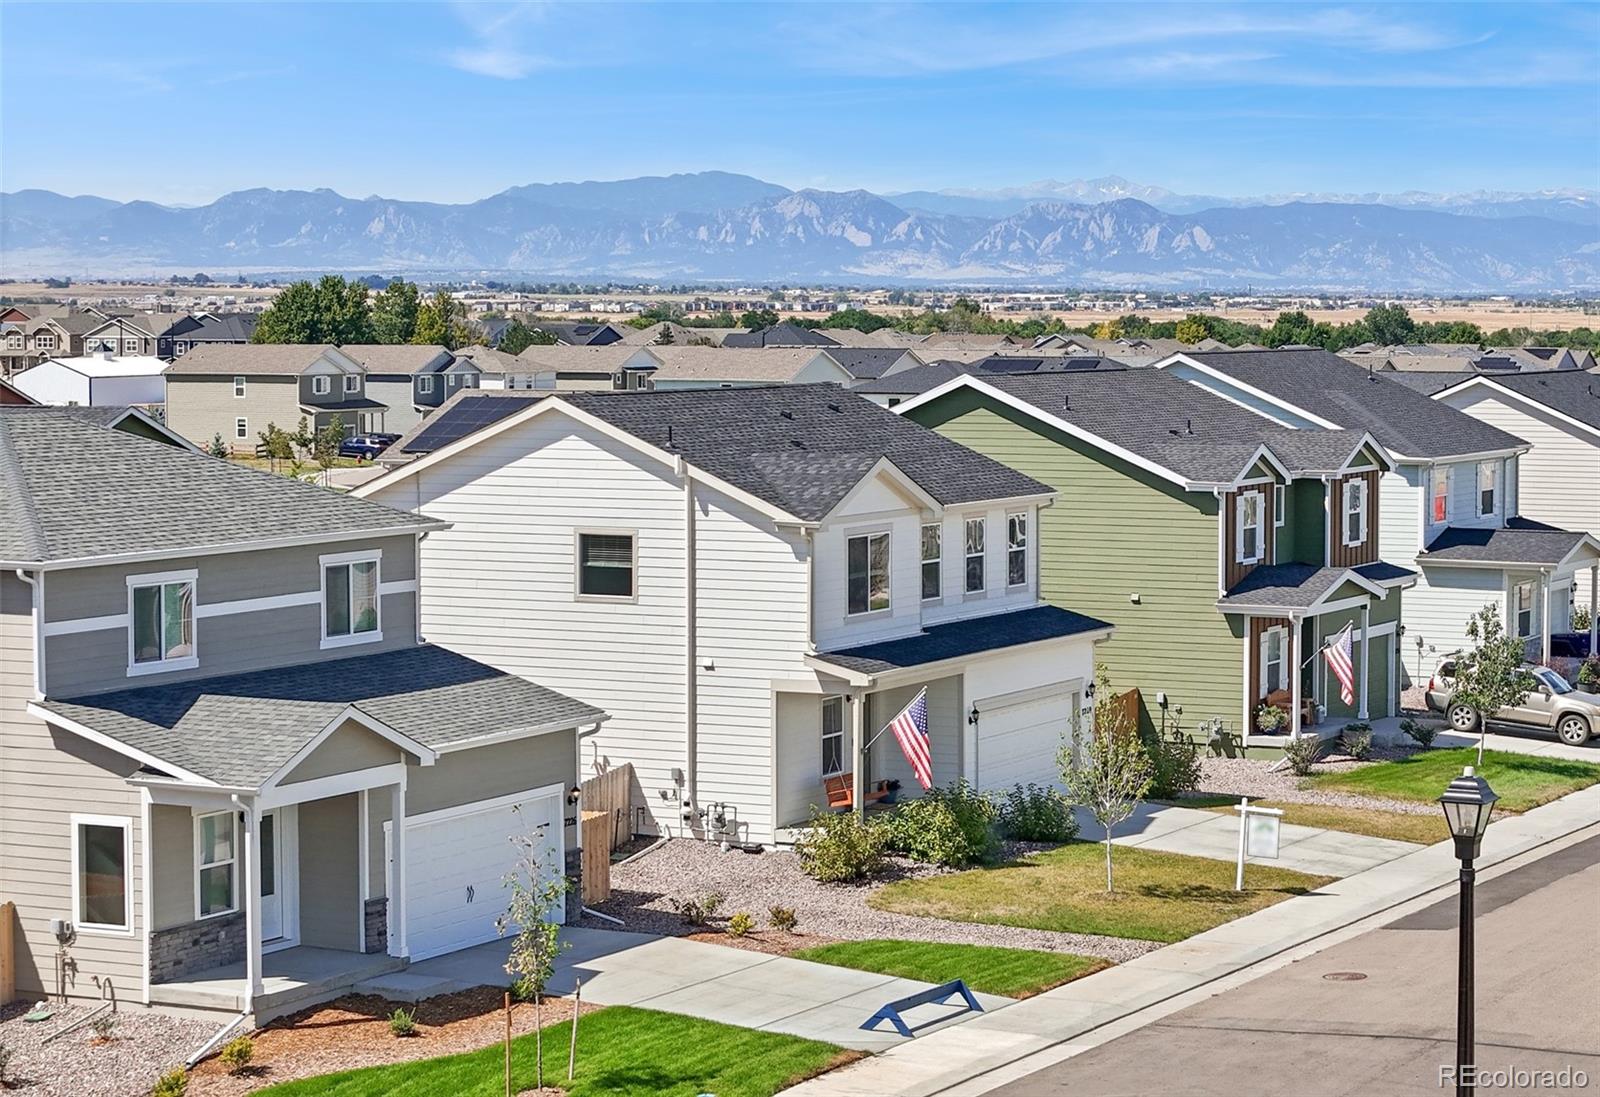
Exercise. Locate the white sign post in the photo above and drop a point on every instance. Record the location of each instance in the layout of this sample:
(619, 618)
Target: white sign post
(1258, 835)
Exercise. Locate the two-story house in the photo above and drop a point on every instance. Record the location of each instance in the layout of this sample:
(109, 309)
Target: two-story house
(753, 582)
(232, 774)
(236, 391)
(411, 380)
(1450, 505)
(1225, 548)
(27, 341)
(202, 328)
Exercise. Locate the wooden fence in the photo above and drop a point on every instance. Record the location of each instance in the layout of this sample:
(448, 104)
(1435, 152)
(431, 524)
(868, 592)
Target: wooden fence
(8, 952)
(610, 794)
(597, 825)
(1123, 711)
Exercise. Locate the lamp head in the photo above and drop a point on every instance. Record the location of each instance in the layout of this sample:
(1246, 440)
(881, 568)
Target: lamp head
(1468, 802)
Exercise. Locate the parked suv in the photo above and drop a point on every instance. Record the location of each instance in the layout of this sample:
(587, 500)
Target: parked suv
(366, 446)
(1553, 704)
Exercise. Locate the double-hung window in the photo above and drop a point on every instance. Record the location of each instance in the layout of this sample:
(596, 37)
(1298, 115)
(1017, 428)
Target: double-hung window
(1440, 509)
(216, 855)
(1524, 609)
(606, 565)
(352, 382)
(1488, 472)
(832, 736)
(1248, 523)
(161, 622)
(350, 603)
(321, 385)
(241, 427)
(1355, 512)
(1278, 491)
(425, 384)
(238, 387)
(976, 530)
(867, 583)
(102, 865)
(1274, 660)
(1016, 549)
(932, 560)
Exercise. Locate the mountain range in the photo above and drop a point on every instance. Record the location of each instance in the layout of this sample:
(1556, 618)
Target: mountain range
(722, 227)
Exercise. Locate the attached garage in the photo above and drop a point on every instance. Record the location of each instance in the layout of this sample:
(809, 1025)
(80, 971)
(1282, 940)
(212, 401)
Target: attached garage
(1020, 735)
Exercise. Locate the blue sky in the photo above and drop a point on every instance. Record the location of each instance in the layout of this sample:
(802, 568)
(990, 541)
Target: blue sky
(451, 102)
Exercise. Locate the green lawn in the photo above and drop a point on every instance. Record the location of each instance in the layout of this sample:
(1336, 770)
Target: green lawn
(1523, 781)
(1159, 896)
(1421, 829)
(1013, 972)
(622, 1050)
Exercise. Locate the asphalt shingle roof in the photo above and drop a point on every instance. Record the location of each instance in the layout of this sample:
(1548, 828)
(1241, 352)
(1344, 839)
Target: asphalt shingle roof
(1426, 382)
(1298, 586)
(1522, 541)
(1575, 393)
(249, 358)
(957, 639)
(396, 357)
(239, 729)
(779, 335)
(865, 363)
(917, 379)
(71, 490)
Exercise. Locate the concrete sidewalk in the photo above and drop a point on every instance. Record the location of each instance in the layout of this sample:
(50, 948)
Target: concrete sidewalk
(957, 1057)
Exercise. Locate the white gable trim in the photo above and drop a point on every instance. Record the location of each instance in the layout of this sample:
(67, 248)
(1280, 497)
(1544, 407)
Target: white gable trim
(1226, 378)
(887, 470)
(1517, 397)
(351, 713)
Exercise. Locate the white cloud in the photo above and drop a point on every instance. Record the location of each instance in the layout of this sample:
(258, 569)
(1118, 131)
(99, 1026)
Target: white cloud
(497, 49)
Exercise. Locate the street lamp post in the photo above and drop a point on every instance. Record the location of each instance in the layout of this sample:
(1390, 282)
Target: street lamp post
(1468, 802)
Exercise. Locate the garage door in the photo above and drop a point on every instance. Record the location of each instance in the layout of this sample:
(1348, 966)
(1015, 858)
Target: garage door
(456, 863)
(1019, 739)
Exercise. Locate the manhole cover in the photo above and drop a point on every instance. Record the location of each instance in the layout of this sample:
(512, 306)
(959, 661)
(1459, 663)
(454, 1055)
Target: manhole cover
(1345, 976)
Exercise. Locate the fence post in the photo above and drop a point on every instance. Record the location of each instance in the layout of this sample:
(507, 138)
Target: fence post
(8, 952)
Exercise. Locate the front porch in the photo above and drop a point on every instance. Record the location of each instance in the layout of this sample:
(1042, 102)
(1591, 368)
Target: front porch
(291, 979)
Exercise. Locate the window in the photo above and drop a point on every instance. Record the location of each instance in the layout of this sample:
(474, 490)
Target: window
(605, 565)
(130, 346)
(976, 530)
(238, 388)
(425, 384)
(1278, 491)
(1524, 609)
(349, 599)
(453, 380)
(321, 385)
(832, 736)
(14, 341)
(932, 560)
(1274, 660)
(352, 382)
(1248, 528)
(1488, 471)
(241, 428)
(1355, 512)
(1441, 493)
(161, 616)
(1016, 549)
(215, 854)
(44, 341)
(101, 860)
(867, 584)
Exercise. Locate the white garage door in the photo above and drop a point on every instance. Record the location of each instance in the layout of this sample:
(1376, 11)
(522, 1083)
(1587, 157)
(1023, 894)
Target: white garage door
(1019, 740)
(456, 863)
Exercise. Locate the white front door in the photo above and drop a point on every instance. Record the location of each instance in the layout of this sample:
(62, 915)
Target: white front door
(278, 849)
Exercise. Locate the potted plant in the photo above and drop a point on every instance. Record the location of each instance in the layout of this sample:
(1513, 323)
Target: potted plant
(1271, 720)
(892, 790)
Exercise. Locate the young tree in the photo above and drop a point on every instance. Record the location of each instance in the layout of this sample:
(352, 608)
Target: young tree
(665, 338)
(304, 439)
(1110, 773)
(325, 443)
(394, 312)
(217, 448)
(277, 443)
(537, 941)
(1491, 675)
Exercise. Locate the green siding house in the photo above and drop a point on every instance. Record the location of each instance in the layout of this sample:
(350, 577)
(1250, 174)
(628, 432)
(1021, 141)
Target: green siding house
(1225, 547)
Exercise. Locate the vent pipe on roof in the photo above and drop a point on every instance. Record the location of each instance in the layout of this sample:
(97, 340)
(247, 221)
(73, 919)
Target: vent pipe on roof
(1066, 402)
(1188, 426)
(786, 413)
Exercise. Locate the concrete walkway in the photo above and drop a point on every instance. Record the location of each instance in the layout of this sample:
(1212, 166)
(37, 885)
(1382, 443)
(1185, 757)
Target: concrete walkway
(715, 982)
(1202, 833)
(957, 1059)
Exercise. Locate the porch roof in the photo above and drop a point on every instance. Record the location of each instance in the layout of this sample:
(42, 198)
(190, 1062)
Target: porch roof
(958, 639)
(1303, 586)
(239, 730)
(354, 403)
(1522, 543)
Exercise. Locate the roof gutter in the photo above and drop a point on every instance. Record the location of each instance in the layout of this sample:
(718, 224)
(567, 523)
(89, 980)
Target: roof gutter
(428, 525)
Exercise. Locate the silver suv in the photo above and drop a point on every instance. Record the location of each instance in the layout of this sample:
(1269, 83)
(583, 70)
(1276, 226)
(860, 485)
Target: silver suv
(1554, 704)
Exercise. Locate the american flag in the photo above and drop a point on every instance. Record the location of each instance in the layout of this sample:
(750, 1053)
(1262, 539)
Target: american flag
(1337, 653)
(911, 732)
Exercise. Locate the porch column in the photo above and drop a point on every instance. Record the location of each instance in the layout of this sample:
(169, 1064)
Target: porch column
(397, 870)
(1544, 627)
(1594, 608)
(1366, 619)
(1296, 670)
(858, 745)
(250, 860)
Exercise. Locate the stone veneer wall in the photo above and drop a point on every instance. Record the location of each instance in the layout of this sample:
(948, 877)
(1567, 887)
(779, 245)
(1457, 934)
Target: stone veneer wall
(376, 913)
(183, 950)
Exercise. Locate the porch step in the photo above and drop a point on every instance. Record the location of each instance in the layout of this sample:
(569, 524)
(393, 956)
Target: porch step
(403, 986)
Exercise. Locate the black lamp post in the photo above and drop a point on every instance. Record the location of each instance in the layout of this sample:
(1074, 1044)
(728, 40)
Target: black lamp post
(1468, 802)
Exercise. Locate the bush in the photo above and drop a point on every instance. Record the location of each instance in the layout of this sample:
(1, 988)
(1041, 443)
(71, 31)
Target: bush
(522, 989)
(237, 1053)
(740, 925)
(5, 1064)
(947, 826)
(698, 911)
(840, 848)
(1034, 814)
(1302, 752)
(1270, 718)
(1420, 731)
(1581, 618)
(1175, 760)
(403, 1023)
(1589, 674)
(1357, 740)
(104, 1026)
(783, 918)
(171, 1084)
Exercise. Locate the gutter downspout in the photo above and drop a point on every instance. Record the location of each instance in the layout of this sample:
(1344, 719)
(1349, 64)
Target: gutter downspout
(36, 596)
(691, 745)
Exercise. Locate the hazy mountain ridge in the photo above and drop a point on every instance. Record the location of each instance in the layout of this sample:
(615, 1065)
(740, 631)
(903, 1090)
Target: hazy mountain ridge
(720, 226)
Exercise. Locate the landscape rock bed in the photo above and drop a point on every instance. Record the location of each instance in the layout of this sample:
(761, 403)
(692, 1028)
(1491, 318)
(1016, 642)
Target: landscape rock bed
(143, 1045)
(1255, 777)
(687, 869)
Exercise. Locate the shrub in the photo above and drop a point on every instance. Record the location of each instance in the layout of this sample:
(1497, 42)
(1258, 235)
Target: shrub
(783, 919)
(1357, 740)
(1420, 731)
(1589, 674)
(522, 989)
(1302, 751)
(1175, 761)
(5, 1064)
(1269, 718)
(237, 1053)
(947, 826)
(840, 848)
(740, 925)
(104, 1026)
(1034, 814)
(403, 1023)
(1581, 618)
(171, 1084)
(697, 911)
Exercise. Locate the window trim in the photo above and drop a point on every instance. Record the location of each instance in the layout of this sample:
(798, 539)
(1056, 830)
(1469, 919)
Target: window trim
(1260, 527)
(1279, 505)
(1352, 488)
(577, 563)
(321, 384)
(161, 579)
(967, 556)
(1013, 548)
(232, 863)
(238, 386)
(336, 559)
(352, 383)
(1440, 479)
(241, 428)
(1516, 607)
(867, 535)
(1283, 657)
(98, 929)
(937, 561)
(1494, 488)
(824, 735)
(425, 384)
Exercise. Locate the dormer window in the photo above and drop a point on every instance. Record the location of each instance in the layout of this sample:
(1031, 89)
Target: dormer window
(1248, 523)
(1439, 509)
(1488, 473)
(1355, 512)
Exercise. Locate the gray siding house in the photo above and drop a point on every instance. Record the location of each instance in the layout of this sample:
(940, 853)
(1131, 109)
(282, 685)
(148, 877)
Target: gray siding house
(411, 381)
(215, 706)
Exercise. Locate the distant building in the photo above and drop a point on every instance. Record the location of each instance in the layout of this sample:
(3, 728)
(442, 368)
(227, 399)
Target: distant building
(95, 380)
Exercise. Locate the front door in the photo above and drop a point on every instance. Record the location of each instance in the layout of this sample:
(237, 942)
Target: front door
(271, 831)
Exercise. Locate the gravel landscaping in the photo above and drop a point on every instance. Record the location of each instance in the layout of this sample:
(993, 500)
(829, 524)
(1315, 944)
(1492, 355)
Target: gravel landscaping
(685, 869)
(143, 1045)
(1254, 777)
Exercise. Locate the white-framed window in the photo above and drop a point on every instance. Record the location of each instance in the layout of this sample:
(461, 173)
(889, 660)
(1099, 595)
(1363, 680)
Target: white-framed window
(161, 622)
(1250, 536)
(1488, 481)
(102, 874)
(352, 382)
(1439, 506)
(1016, 549)
(241, 427)
(425, 384)
(216, 859)
(1355, 512)
(1278, 493)
(976, 533)
(238, 388)
(1523, 606)
(350, 602)
(130, 346)
(832, 736)
(867, 578)
(452, 380)
(14, 341)
(932, 560)
(1274, 660)
(321, 385)
(607, 563)
(44, 341)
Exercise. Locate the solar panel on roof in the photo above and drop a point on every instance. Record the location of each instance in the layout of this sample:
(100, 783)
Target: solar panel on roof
(471, 414)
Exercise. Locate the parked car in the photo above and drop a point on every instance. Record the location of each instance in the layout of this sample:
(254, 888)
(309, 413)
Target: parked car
(1554, 704)
(366, 446)
(1568, 650)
